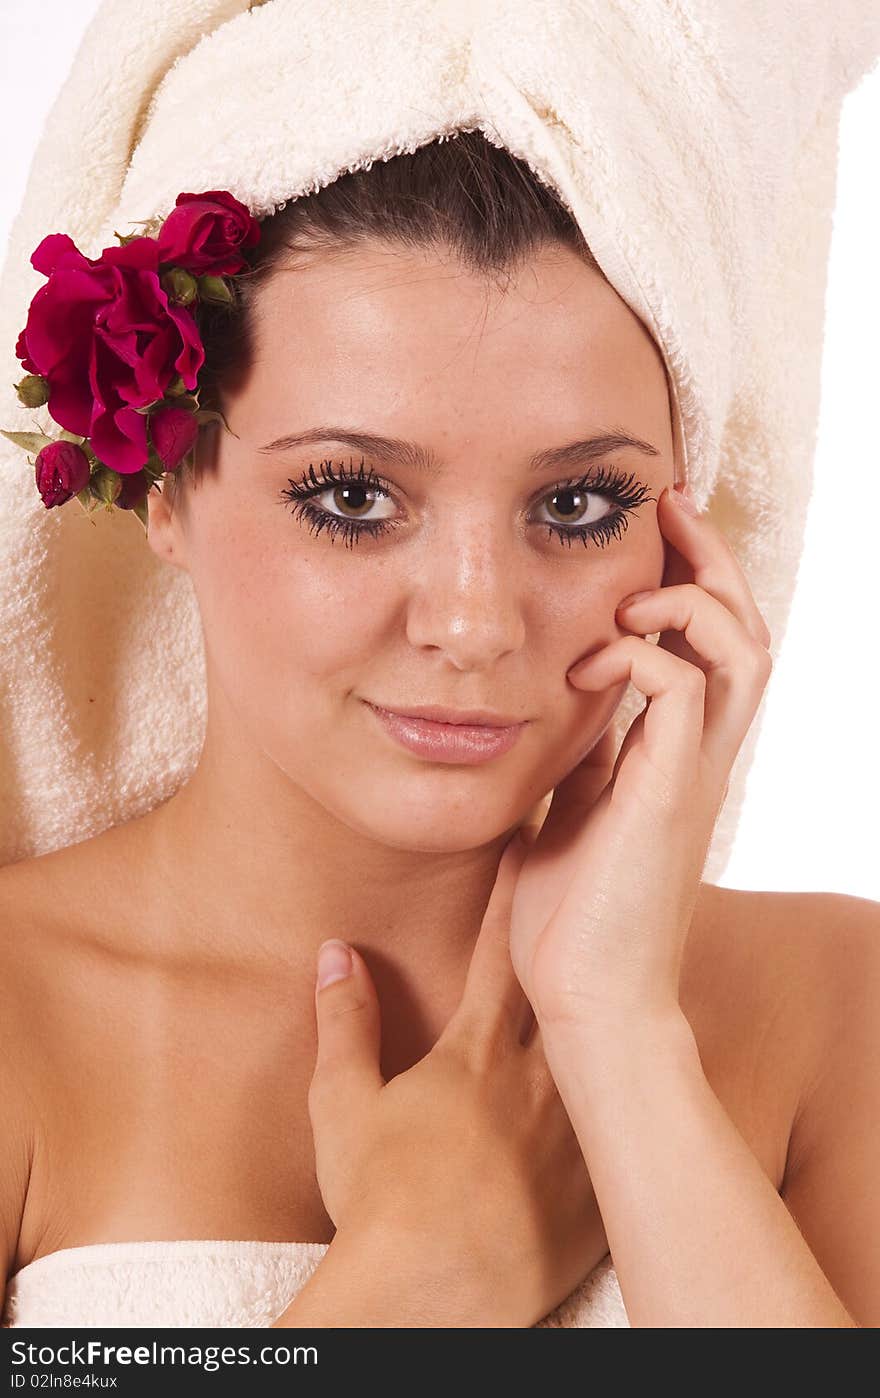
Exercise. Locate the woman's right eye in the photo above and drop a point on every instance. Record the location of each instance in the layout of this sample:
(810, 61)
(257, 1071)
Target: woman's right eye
(352, 496)
(348, 491)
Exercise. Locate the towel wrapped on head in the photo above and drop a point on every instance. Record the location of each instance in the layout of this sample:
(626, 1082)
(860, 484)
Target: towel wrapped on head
(694, 143)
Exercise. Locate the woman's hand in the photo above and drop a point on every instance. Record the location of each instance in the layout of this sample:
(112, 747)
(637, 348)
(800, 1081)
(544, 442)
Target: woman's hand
(603, 905)
(458, 1189)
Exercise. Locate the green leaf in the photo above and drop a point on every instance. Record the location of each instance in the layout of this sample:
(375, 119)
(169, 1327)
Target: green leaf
(105, 485)
(30, 441)
(84, 496)
(140, 509)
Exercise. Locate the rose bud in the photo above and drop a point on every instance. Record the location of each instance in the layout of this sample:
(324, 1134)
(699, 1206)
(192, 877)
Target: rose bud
(33, 390)
(215, 290)
(173, 432)
(179, 286)
(62, 471)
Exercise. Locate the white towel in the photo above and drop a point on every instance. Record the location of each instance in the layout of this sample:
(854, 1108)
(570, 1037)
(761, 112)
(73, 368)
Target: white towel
(218, 1282)
(695, 143)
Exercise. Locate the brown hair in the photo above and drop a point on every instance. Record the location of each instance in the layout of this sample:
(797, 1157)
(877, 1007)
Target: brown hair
(460, 192)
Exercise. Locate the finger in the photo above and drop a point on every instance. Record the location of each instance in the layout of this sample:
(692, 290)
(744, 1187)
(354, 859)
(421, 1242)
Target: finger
(349, 1034)
(733, 666)
(493, 1005)
(673, 718)
(715, 566)
(737, 667)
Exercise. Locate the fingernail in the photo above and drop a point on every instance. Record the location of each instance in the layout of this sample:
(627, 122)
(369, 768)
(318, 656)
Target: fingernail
(334, 961)
(682, 496)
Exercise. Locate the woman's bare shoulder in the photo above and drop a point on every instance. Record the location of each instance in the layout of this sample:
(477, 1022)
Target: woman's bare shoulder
(802, 943)
(54, 908)
(835, 939)
(59, 966)
(36, 903)
(829, 950)
(71, 895)
(786, 970)
(781, 950)
(34, 950)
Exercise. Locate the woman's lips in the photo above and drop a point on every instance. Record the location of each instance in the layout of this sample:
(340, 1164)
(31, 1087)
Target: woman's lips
(448, 742)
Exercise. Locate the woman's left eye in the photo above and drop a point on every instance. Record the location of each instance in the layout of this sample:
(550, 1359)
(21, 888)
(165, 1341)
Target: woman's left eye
(576, 501)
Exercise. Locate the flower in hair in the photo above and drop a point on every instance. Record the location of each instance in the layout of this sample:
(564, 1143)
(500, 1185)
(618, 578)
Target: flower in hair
(112, 348)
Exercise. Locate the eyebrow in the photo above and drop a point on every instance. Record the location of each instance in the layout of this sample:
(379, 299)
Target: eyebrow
(421, 458)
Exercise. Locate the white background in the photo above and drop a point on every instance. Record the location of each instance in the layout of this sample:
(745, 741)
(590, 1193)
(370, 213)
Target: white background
(810, 817)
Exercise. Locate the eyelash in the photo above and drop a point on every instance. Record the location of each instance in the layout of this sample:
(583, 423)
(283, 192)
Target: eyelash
(622, 489)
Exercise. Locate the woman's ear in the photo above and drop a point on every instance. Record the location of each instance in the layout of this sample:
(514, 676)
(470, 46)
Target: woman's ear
(165, 534)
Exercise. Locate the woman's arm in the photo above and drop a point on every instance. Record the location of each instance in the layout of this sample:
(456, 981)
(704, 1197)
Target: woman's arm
(600, 920)
(362, 1283)
(698, 1234)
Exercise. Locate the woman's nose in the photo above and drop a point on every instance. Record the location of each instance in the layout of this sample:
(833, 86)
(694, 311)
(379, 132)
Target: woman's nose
(466, 600)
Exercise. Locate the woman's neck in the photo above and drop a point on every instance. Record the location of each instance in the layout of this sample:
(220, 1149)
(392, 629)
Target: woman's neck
(250, 878)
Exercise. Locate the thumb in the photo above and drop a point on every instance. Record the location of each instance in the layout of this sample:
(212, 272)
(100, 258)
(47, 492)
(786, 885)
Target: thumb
(349, 1030)
(493, 1002)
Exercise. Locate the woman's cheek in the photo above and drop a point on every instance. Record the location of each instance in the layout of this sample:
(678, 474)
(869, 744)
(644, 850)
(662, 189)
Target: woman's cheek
(298, 617)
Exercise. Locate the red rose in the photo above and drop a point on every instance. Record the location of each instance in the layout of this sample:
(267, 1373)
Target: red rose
(62, 470)
(203, 234)
(104, 335)
(173, 432)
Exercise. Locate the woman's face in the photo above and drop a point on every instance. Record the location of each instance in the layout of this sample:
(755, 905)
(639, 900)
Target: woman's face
(470, 598)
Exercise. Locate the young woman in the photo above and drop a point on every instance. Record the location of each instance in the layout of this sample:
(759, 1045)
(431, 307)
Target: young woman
(449, 459)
